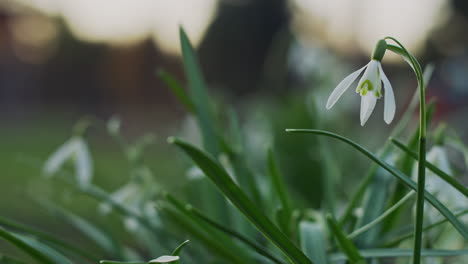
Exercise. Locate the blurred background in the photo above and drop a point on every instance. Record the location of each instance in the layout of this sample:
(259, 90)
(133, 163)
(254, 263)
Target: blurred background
(273, 61)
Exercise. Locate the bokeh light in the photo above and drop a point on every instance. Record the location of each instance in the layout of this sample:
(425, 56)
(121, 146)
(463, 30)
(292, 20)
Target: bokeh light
(125, 22)
(354, 25)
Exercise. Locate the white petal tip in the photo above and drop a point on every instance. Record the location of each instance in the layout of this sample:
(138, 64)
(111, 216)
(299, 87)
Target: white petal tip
(390, 115)
(331, 101)
(165, 259)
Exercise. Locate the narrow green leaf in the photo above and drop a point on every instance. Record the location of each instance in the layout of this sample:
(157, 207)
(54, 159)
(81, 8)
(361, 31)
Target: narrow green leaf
(200, 234)
(179, 248)
(345, 244)
(177, 90)
(377, 220)
(234, 131)
(213, 203)
(238, 157)
(46, 238)
(25, 246)
(374, 205)
(405, 163)
(226, 185)
(279, 187)
(93, 232)
(409, 234)
(399, 252)
(449, 179)
(403, 178)
(357, 196)
(199, 95)
(313, 241)
(52, 253)
(236, 235)
(8, 260)
(219, 237)
(331, 173)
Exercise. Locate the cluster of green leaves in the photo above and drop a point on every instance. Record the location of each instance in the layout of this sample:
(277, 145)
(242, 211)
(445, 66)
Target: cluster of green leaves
(234, 218)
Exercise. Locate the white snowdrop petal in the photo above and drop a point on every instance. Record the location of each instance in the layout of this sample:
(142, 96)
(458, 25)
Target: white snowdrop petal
(389, 98)
(60, 156)
(374, 73)
(368, 102)
(164, 259)
(370, 74)
(83, 163)
(342, 87)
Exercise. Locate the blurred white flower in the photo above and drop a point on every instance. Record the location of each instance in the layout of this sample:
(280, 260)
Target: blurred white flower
(75, 150)
(449, 196)
(137, 197)
(370, 89)
(437, 186)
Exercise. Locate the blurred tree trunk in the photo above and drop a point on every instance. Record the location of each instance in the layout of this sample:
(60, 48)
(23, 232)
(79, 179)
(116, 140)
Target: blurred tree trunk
(236, 45)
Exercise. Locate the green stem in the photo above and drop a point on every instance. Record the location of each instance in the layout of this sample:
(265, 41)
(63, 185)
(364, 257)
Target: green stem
(418, 228)
(390, 210)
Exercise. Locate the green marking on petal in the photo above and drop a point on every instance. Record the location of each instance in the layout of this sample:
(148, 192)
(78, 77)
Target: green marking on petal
(367, 85)
(378, 93)
(363, 92)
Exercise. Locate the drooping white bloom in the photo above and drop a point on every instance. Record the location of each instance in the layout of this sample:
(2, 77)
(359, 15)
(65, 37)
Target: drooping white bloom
(75, 150)
(370, 89)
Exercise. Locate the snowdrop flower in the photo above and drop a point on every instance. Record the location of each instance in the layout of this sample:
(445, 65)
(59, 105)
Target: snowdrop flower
(369, 87)
(74, 150)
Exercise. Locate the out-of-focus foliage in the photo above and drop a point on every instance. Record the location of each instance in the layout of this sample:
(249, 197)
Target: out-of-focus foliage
(249, 192)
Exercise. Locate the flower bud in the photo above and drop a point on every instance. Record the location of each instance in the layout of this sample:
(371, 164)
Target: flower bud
(379, 50)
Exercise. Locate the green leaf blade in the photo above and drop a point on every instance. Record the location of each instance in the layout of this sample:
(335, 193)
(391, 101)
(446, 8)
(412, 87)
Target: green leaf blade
(313, 241)
(345, 244)
(29, 248)
(223, 181)
(459, 226)
(447, 178)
